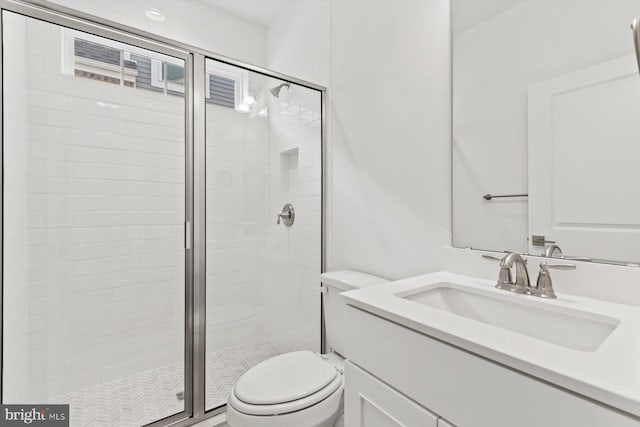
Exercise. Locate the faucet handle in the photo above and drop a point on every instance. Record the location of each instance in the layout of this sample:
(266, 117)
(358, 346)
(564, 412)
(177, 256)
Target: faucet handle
(544, 285)
(505, 280)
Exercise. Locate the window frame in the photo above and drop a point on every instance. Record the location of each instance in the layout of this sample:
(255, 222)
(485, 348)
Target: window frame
(157, 80)
(240, 76)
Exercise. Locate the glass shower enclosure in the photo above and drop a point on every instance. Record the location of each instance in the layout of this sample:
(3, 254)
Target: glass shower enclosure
(162, 220)
(262, 271)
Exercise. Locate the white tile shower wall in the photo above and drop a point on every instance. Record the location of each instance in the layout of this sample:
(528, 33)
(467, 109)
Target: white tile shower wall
(105, 198)
(16, 327)
(291, 298)
(236, 190)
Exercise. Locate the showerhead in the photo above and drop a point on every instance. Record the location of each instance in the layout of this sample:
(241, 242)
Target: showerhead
(275, 91)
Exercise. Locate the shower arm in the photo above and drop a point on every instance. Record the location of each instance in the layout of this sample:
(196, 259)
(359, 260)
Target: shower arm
(635, 27)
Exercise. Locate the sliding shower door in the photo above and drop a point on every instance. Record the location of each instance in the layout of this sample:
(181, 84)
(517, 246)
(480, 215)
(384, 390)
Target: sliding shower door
(263, 151)
(94, 209)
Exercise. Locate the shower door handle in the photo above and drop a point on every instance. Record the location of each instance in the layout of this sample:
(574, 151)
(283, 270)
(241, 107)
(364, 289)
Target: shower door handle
(187, 235)
(635, 27)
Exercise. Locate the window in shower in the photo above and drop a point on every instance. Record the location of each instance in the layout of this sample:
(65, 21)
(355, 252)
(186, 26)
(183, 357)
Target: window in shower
(97, 58)
(93, 227)
(262, 278)
(227, 86)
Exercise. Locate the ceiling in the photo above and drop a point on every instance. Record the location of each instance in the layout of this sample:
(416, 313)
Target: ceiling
(469, 13)
(261, 12)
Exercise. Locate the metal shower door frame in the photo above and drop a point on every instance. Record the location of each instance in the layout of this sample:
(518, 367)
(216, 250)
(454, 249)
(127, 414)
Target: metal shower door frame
(195, 165)
(56, 18)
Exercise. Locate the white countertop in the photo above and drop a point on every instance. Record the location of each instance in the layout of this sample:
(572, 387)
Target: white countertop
(610, 374)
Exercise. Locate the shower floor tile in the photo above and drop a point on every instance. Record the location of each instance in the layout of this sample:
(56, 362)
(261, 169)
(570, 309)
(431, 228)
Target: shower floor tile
(145, 397)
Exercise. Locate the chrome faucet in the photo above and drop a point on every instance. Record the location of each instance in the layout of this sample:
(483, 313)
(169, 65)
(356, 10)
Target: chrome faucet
(522, 284)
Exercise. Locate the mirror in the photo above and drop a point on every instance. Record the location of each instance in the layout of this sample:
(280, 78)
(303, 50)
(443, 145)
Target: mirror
(546, 125)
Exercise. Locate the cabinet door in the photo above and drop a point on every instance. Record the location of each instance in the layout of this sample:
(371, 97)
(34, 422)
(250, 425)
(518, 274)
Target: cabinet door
(444, 423)
(368, 402)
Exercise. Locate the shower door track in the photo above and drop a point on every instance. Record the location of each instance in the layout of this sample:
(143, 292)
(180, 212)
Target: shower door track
(194, 57)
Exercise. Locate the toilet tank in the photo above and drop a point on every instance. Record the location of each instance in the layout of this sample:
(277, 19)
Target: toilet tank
(337, 282)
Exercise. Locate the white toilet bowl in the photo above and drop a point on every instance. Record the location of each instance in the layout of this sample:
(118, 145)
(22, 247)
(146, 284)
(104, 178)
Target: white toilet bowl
(302, 388)
(294, 389)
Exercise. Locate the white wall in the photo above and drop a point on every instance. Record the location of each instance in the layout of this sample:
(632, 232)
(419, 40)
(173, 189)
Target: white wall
(388, 144)
(388, 117)
(390, 161)
(193, 22)
(299, 41)
(494, 64)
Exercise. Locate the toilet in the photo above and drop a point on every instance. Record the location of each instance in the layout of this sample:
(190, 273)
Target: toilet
(300, 388)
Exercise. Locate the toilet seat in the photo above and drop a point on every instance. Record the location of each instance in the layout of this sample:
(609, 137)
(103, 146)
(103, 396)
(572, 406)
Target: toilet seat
(284, 384)
(322, 414)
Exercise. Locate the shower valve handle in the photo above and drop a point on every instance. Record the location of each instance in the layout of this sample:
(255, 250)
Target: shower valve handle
(288, 215)
(283, 215)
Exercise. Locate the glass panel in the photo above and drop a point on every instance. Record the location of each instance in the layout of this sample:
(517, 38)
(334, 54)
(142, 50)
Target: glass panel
(94, 205)
(263, 150)
(175, 74)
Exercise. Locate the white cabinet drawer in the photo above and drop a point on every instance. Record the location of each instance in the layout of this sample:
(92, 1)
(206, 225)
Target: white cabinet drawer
(369, 402)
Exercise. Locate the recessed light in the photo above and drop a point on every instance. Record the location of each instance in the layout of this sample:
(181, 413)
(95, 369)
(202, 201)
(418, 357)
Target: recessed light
(155, 15)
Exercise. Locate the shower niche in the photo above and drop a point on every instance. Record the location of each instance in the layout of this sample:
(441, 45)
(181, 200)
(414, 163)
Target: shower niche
(288, 168)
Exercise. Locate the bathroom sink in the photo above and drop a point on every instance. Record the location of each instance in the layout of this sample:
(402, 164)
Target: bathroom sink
(586, 345)
(562, 326)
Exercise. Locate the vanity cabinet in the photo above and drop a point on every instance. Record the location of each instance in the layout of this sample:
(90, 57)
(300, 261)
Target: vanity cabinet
(394, 373)
(372, 403)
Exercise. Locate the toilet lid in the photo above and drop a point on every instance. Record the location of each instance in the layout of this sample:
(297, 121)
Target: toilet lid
(284, 378)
